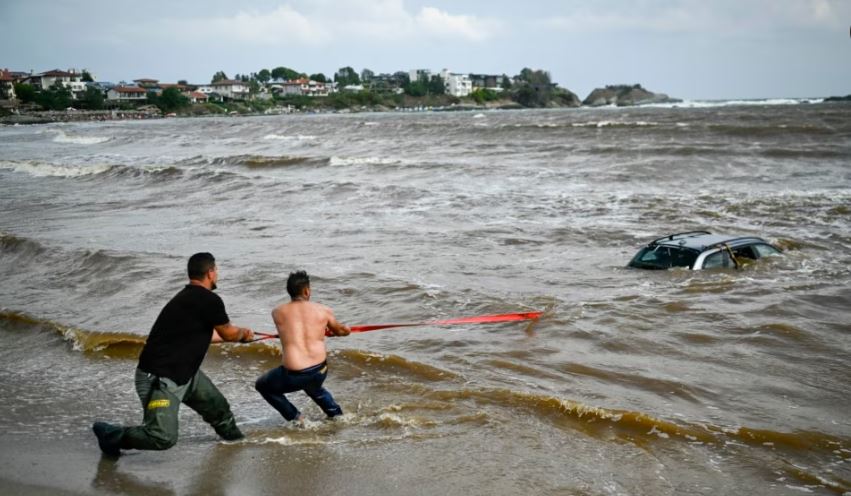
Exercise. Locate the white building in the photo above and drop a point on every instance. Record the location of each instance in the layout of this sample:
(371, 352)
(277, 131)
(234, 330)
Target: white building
(7, 85)
(70, 79)
(229, 88)
(419, 74)
(457, 84)
(304, 87)
(127, 94)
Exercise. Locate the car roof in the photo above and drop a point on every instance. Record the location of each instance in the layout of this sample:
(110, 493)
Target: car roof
(701, 240)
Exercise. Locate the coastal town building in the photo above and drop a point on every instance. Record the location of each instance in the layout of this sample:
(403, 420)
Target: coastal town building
(231, 89)
(7, 85)
(197, 97)
(456, 84)
(301, 86)
(147, 83)
(70, 79)
(415, 75)
(127, 94)
(490, 82)
(387, 83)
(182, 88)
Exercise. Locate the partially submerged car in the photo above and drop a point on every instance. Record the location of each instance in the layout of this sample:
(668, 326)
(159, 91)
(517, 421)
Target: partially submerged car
(701, 250)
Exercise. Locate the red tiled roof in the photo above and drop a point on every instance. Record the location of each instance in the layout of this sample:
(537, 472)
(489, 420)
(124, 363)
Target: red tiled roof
(129, 89)
(198, 95)
(5, 75)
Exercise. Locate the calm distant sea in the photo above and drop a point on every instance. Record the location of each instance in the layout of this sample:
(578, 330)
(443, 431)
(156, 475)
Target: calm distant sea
(634, 382)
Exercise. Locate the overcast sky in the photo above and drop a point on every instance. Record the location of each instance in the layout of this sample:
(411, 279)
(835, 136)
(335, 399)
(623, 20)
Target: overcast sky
(693, 49)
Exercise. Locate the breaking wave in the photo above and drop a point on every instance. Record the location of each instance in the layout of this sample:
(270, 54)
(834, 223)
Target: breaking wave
(62, 137)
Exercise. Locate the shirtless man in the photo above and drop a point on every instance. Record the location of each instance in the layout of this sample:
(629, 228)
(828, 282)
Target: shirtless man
(302, 326)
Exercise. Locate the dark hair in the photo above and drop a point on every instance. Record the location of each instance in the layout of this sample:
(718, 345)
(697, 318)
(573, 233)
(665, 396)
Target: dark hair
(297, 282)
(199, 264)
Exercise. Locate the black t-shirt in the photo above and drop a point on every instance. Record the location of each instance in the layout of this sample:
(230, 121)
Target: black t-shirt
(181, 334)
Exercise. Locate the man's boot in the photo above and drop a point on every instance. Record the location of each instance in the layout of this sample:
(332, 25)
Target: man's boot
(109, 438)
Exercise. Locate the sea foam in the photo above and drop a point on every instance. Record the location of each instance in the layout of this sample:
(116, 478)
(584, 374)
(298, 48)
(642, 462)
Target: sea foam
(41, 169)
(61, 137)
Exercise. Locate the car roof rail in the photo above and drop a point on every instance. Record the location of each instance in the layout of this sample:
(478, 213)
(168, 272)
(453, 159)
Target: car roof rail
(671, 237)
(732, 241)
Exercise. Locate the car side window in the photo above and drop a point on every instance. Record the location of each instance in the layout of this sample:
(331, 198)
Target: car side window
(766, 250)
(718, 260)
(745, 252)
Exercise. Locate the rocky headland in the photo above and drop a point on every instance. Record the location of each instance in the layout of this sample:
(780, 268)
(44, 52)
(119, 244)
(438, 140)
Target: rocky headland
(623, 95)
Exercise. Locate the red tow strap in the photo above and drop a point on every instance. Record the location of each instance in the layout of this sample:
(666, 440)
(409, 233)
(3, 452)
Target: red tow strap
(480, 319)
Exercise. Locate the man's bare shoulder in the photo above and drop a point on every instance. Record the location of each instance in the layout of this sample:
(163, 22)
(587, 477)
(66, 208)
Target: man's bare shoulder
(281, 310)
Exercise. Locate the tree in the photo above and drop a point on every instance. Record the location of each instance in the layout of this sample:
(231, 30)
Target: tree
(57, 97)
(534, 88)
(86, 77)
(169, 100)
(284, 73)
(346, 76)
(253, 87)
(482, 95)
(319, 78)
(264, 76)
(534, 77)
(415, 88)
(25, 92)
(436, 85)
(219, 76)
(92, 99)
(366, 75)
(183, 82)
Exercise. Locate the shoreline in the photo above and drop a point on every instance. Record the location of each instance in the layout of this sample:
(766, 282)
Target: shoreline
(57, 116)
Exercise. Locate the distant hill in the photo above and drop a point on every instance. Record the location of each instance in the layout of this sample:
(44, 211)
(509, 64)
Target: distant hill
(623, 95)
(846, 98)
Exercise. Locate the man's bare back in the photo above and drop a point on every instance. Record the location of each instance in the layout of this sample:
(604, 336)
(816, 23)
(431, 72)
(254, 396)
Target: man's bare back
(301, 325)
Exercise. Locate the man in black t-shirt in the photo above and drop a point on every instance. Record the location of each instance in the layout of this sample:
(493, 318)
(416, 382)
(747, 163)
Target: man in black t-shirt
(169, 370)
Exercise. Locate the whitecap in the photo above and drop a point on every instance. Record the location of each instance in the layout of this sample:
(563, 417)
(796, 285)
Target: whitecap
(343, 161)
(61, 137)
(285, 137)
(40, 169)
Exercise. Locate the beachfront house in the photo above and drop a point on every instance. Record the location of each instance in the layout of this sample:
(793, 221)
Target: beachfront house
(415, 75)
(7, 85)
(457, 84)
(490, 82)
(197, 97)
(127, 94)
(301, 86)
(230, 89)
(148, 84)
(70, 79)
(182, 88)
(392, 83)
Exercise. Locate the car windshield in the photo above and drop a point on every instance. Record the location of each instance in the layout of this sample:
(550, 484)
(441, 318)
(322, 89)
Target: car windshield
(663, 257)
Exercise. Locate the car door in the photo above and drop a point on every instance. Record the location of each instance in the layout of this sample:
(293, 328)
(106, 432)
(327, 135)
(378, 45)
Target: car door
(716, 258)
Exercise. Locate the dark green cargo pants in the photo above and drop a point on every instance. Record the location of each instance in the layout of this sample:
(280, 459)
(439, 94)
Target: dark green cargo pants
(161, 398)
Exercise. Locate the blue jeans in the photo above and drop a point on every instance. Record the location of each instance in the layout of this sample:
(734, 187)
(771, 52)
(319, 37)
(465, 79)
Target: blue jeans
(274, 384)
